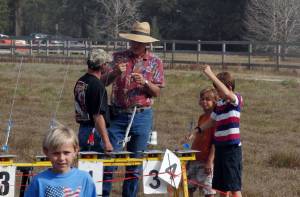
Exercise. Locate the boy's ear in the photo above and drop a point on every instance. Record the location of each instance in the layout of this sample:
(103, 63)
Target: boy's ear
(77, 149)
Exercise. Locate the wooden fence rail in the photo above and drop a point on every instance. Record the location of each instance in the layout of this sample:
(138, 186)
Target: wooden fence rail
(173, 52)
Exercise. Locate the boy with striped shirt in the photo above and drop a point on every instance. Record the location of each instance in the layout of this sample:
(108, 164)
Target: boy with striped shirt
(227, 142)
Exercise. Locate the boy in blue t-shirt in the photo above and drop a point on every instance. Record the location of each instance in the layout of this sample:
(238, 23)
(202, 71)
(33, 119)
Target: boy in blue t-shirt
(60, 145)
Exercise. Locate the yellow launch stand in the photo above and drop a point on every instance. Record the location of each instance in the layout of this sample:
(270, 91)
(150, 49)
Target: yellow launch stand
(114, 159)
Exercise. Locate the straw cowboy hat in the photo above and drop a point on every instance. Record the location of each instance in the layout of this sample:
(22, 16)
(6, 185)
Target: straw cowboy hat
(140, 32)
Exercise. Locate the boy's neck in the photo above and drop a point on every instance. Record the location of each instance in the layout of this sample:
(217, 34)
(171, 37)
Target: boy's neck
(60, 172)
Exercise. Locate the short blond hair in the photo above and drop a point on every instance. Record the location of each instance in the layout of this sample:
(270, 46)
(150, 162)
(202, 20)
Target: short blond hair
(212, 93)
(58, 136)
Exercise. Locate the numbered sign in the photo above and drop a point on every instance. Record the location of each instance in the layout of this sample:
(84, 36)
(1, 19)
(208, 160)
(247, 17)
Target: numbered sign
(7, 181)
(152, 183)
(95, 169)
(170, 170)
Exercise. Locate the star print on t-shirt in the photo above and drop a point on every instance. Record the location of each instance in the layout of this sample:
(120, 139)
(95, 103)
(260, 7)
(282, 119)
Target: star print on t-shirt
(59, 191)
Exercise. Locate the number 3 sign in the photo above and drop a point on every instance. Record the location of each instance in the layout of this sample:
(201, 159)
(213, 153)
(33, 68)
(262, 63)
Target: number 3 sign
(152, 183)
(7, 181)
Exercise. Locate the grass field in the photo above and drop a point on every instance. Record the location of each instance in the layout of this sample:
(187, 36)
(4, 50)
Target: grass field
(270, 118)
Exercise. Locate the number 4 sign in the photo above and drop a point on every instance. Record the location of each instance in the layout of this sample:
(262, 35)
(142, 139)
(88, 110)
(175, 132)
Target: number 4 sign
(152, 183)
(7, 181)
(170, 170)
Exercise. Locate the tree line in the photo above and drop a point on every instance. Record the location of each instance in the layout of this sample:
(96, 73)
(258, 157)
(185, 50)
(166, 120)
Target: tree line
(262, 20)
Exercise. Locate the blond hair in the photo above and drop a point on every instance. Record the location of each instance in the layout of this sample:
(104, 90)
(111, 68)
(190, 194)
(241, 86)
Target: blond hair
(212, 93)
(58, 136)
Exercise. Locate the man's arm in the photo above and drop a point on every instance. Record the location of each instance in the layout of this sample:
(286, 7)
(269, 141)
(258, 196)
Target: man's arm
(151, 88)
(101, 128)
(220, 86)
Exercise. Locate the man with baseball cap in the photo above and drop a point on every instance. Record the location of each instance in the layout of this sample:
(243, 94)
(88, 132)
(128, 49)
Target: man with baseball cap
(139, 79)
(91, 108)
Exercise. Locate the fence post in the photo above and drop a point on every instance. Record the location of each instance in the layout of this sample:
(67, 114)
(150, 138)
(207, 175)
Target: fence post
(85, 48)
(198, 50)
(39, 46)
(64, 49)
(249, 55)
(90, 45)
(115, 45)
(173, 51)
(278, 52)
(12, 44)
(223, 53)
(47, 48)
(68, 48)
(30, 45)
(165, 50)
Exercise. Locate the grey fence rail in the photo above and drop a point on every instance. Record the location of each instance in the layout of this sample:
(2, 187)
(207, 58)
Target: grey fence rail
(173, 52)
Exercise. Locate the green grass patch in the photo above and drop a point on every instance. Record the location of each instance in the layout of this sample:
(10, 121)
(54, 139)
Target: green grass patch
(290, 83)
(269, 119)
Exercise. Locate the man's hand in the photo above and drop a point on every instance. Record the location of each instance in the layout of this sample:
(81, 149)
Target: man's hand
(108, 147)
(138, 78)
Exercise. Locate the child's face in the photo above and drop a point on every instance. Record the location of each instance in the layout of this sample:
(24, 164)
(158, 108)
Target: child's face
(206, 102)
(62, 158)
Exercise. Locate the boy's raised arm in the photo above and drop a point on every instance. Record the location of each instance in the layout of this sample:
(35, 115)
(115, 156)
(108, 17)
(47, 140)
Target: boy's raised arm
(219, 85)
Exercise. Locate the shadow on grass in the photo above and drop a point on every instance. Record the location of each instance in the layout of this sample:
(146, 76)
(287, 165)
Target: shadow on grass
(285, 160)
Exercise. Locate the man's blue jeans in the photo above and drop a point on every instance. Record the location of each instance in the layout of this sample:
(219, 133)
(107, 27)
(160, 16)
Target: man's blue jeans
(139, 133)
(83, 136)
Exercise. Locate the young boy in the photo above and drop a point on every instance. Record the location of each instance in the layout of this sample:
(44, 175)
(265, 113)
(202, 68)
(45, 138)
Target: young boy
(200, 170)
(226, 119)
(60, 145)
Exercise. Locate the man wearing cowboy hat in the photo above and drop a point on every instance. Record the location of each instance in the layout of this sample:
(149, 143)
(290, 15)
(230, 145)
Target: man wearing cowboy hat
(139, 79)
(91, 107)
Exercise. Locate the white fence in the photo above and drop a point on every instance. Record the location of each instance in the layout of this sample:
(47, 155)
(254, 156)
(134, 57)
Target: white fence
(243, 53)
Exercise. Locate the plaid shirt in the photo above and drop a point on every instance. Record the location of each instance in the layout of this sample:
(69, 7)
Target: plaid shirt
(127, 93)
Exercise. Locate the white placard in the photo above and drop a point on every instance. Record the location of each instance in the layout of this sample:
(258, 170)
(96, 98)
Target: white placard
(170, 170)
(95, 169)
(7, 181)
(152, 183)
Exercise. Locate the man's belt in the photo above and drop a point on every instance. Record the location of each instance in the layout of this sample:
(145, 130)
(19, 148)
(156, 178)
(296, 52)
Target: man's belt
(130, 109)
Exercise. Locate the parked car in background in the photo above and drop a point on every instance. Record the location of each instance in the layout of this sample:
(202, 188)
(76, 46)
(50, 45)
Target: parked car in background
(6, 42)
(4, 39)
(3, 36)
(39, 37)
(60, 39)
(53, 39)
